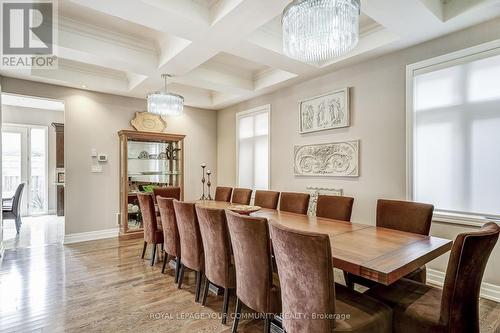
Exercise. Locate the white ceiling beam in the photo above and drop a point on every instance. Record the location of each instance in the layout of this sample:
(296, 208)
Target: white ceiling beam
(244, 18)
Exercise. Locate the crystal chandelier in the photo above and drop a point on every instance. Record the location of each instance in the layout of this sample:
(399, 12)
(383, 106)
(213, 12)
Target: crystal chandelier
(164, 103)
(319, 30)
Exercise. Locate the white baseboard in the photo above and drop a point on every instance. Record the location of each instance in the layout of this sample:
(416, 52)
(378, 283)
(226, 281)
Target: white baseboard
(91, 235)
(488, 290)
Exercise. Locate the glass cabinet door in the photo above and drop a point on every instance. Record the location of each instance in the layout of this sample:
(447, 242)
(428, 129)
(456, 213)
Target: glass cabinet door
(149, 165)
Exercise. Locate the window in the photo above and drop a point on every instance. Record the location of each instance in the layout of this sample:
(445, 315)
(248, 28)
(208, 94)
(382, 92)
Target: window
(253, 148)
(454, 132)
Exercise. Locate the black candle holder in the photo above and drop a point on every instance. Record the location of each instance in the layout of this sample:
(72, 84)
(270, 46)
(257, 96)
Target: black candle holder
(209, 184)
(203, 166)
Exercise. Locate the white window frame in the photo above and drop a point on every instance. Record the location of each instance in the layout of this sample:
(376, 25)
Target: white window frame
(476, 52)
(254, 111)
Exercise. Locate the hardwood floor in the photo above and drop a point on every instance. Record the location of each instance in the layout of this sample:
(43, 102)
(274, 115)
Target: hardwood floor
(35, 231)
(104, 286)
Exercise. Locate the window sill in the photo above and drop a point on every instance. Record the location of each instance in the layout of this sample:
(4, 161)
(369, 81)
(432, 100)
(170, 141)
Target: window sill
(462, 219)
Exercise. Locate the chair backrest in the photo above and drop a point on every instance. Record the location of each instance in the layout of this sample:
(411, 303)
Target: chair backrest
(223, 193)
(252, 258)
(216, 245)
(190, 237)
(169, 226)
(16, 201)
(267, 199)
(242, 196)
(334, 207)
(294, 202)
(148, 216)
(405, 216)
(304, 261)
(468, 259)
(167, 192)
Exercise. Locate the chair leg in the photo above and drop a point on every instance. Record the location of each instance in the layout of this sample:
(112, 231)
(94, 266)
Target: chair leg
(225, 306)
(153, 255)
(144, 249)
(205, 292)
(198, 287)
(237, 315)
(181, 276)
(165, 261)
(18, 223)
(267, 324)
(348, 282)
(177, 266)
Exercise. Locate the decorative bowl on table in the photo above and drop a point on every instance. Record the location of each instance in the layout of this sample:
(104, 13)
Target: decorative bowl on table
(244, 209)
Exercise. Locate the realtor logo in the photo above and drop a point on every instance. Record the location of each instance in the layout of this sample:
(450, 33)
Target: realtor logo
(28, 34)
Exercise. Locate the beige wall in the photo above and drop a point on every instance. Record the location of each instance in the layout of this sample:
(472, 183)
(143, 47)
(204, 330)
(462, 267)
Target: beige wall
(377, 120)
(92, 120)
(30, 116)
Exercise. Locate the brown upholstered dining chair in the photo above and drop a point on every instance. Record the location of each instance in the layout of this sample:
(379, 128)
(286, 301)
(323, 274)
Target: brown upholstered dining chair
(167, 192)
(334, 207)
(267, 199)
(152, 234)
(242, 196)
(254, 272)
(455, 308)
(223, 193)
(217, 248)
(191, 243)
(406, 216)
(305, 268)
(294, 202)
(171, 238)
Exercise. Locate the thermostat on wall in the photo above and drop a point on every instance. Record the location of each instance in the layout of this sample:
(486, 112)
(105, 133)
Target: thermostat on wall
(102, 158)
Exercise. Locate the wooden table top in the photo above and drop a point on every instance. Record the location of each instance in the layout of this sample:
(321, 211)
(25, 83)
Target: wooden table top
(379, 254)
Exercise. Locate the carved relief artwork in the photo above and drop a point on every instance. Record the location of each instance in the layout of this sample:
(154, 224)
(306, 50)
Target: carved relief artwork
(324, 112)
(338, 159)
(148, 122)
(314, 192)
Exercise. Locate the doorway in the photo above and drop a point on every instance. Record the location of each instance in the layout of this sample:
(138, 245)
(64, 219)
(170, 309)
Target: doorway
(29, 151)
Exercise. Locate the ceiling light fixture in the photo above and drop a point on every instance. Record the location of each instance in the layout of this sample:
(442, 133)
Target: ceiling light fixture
(164, 103)
(319, 30)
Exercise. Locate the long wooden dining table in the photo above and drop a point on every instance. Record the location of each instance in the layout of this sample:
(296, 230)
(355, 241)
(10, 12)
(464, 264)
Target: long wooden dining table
(379, 254)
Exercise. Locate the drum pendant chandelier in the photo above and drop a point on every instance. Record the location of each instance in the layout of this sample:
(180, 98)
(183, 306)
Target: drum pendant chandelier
(164, 103)
(320, 30)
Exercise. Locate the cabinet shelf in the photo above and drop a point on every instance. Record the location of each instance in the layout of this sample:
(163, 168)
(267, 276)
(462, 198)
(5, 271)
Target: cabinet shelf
(155, 174)
(152, 159)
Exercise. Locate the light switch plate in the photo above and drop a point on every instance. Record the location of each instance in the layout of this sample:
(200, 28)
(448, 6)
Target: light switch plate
(93, 152)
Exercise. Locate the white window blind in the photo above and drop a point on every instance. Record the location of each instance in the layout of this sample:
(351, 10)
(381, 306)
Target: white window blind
(253, 148)
(456, 135)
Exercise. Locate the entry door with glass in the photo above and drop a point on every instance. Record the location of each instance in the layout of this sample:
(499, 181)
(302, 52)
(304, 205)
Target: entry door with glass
(24, 160)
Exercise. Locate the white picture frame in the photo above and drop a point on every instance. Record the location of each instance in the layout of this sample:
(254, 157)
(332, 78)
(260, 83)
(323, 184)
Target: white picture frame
(325, 112)
(336, 159)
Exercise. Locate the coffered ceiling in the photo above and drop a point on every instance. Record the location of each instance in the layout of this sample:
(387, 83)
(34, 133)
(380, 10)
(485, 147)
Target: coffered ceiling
(222, 51)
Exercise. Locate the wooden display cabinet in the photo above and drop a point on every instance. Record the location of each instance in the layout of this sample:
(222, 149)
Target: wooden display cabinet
(146, 160)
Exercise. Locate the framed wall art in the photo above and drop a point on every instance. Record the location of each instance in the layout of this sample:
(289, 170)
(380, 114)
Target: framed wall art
(324, 112)
(337, 159)
(315, 191)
